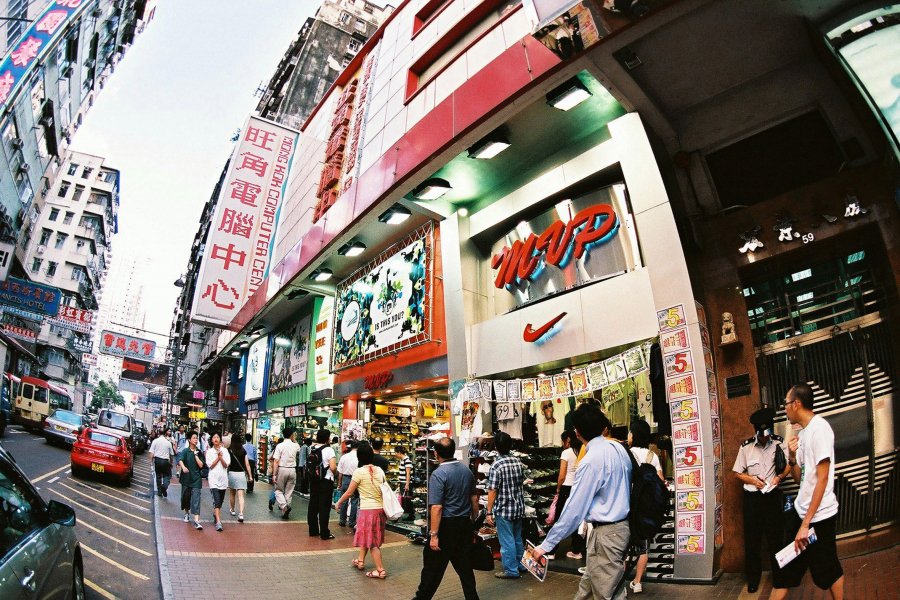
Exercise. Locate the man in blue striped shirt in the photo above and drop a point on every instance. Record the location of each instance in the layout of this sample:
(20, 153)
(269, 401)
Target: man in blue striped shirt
(601, 496)
(506, 505)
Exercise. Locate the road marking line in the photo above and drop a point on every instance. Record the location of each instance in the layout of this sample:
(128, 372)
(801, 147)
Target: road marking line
(143, 508)
(69, 472)
(114, 563)
(50, 474)
(124, 512)
(269, 555)
(54, 479)
(129, 496)
(99, 514)
(99, 589)
(113, 538)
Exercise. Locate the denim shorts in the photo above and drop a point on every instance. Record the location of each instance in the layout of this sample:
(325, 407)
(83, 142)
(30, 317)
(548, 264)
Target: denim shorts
(218, 497)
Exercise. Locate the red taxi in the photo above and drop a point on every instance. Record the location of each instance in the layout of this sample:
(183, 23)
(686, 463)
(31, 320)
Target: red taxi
(102, 452)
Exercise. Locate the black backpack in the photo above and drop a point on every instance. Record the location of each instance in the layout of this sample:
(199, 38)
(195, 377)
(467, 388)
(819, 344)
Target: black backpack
(649, 500)
(314, 468)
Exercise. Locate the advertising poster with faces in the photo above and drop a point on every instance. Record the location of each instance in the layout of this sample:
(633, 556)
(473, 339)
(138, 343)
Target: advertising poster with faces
(256, 369)
(290, 355)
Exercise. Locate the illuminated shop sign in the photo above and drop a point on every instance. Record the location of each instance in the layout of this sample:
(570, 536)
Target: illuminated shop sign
(585, 239)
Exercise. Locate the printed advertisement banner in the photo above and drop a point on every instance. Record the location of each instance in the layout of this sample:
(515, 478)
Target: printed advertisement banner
(145, 371)
(384, 306)
(242, 236)
(290, 356)
(256, 369)
(119, 344)
(33, 297)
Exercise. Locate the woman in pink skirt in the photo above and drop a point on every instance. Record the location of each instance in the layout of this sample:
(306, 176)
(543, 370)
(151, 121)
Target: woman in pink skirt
(367, 479)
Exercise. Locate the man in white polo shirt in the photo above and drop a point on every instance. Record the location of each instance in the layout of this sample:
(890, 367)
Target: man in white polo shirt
(811, 458)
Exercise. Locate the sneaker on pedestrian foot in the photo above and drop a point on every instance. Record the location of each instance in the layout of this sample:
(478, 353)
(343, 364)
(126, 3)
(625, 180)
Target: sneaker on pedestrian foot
(636, 587)
(271, 504)
(240, 518)
(581, 570)
(218, 527)
(198, 526)
(165, 493)
(187, 519)
(232, 512)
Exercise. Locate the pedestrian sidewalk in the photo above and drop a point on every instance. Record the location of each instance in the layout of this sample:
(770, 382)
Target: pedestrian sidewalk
(268, 557)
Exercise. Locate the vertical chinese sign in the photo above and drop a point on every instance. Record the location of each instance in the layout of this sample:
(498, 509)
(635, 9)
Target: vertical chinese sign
(242, 234)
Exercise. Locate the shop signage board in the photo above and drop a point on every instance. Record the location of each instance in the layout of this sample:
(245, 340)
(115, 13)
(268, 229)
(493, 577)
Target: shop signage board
(76, 319)
(199, 395)
(176, 409)
(20, 333)
(384, 306)
(378, 380)
(25, 314)
(298, 410)
(253, 413)
(242, 237)
(29, 296)
(88, 359)
(82, 344)
(146, 371)
(119, 344)
(6, 259)
(197, 414)
(322, 351)
(290, 355)
(256, 369)
(575, 242)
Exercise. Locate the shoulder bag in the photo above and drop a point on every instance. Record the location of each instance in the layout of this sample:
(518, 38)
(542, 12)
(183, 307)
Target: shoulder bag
(389, 502)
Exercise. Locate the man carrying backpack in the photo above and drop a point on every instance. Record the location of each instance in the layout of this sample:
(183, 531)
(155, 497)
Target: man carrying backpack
(320, 469)
(601, 496)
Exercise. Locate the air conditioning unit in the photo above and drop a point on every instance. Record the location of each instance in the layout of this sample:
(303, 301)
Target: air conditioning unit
(68, 72)
(40, 249)
(16, 143)
(89, 63)
(96, 13)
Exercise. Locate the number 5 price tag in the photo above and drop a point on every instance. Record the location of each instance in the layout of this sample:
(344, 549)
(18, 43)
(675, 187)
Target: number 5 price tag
(688, 456)
(678, 363)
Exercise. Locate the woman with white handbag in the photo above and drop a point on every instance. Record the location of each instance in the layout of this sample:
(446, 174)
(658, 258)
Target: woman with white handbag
(377, 503)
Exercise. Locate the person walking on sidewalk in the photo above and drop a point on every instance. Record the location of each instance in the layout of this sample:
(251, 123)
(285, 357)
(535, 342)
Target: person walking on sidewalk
(406, 467)
(600, 495)
(571, 447)
(320, 469)
(811, 459)
(453, 504)
(369, 534)
(506, 505)
(755, 469)
(639, 438)
(304, 453)
(218, 459)
(284, 470)
(190, 461)
(251, 452)
(271, 472)
(180, 440)
(345, 469)
(161, 455)
(238, 476)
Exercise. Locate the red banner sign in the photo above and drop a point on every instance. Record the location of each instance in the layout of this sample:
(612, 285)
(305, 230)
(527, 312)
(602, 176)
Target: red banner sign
(379, 380)
(74, 318)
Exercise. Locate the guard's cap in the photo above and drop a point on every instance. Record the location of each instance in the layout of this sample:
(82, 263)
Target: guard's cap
(763, 419)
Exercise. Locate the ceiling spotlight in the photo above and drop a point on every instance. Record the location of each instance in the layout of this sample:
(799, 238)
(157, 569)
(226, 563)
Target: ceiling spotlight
(395, 215)
(244, 345)
(235, 353)
(568, 95)
(298, 293)
(353, 248)
(432, 189)
(489, 146)
(463, 212)
(321, 275)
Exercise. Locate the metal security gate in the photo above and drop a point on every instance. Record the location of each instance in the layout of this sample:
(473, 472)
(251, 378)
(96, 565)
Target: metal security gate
(852, 371)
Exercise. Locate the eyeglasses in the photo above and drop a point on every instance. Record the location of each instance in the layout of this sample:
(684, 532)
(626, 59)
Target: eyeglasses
(789, 402)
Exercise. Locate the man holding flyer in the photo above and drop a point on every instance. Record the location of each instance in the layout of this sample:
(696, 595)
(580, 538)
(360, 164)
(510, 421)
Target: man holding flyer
(601, 496)
(811, 458)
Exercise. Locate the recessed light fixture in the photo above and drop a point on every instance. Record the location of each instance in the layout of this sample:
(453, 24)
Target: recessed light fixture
(352, 248)
(395, 215)
(540, 375)
(432, 189)
(489, 146)
(568, 95)
(321, 275)
(463, 212)
(235, 353)
(388, 391)
(244, 345)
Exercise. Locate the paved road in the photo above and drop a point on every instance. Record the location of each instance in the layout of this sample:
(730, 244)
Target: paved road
(115, 524)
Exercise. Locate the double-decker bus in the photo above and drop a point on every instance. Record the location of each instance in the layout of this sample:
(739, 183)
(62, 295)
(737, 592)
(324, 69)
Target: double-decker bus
(35, 399)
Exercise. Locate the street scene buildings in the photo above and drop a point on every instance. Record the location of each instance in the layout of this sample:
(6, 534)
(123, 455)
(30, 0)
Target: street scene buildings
(491, 222)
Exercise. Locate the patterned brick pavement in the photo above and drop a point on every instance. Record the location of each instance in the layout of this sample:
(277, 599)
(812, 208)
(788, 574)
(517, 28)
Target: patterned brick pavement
(268, 557)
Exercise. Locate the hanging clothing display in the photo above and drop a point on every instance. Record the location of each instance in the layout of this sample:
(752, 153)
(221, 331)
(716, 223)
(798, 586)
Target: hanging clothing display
(551, 420)
(658, 392)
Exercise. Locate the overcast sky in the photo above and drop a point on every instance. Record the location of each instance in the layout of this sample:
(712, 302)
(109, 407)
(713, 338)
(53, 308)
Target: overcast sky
(166, 117)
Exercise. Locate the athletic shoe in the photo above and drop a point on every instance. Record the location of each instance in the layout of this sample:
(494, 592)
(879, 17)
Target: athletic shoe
(581, 570)
(271, 504)
(218, 527)
(165, 493)
(636, 587)
(240, 518)
(187, 519)
(198, 526)
(232, 512)
(505, 575)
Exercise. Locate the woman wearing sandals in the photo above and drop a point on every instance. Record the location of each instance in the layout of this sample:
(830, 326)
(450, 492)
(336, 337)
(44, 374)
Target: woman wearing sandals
(371, 520)
(238, 472)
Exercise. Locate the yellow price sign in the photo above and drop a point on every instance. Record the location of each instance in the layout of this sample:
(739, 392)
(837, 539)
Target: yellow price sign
(197, 415)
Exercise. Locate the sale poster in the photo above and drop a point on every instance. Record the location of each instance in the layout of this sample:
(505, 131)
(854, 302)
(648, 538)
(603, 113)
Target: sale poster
(720, 537)
(579, 379)
(714, 405)
(545, 388)
(671, 318)
(689, 479)
(561, 385)
(674, 341)
(686, 433)
(688, 456)
(598, 376)
(681, 387)
(615, 369)
(678, 363)
(704, 337)
(500, 390)
(692, 543)
(685, 410)
(529, 389)
(690, 522)
(690, 501)
(716, 429)
(720, 494)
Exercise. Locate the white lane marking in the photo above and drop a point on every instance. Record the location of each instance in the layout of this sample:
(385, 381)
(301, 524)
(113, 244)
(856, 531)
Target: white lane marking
(99, 589)
(113, 538)
(69, 472)
(129, 496)
(124, 512)
(54, 479)
(143, 508)
(114, 563)
(50, 474)
(78, 504)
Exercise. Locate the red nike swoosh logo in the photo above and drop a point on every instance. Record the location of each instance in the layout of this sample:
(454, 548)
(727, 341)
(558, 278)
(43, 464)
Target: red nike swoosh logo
(532, 335)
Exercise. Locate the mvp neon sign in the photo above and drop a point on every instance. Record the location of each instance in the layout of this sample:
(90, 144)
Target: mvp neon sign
(557, 245)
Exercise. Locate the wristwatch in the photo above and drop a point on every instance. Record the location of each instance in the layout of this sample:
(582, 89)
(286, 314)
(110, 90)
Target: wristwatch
(433, 533)
(792, 463)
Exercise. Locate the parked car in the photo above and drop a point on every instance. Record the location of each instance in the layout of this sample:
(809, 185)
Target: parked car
(8, 382)
(40, 556)
(141, 437)
(104, 453)
(62, 426)
(117, 423)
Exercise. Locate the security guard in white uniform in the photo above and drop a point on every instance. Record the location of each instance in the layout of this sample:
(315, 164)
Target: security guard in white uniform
(755, 468)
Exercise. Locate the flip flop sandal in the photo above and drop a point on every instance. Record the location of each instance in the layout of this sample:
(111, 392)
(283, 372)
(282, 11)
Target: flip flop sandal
(376, 574)
(359, 564)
